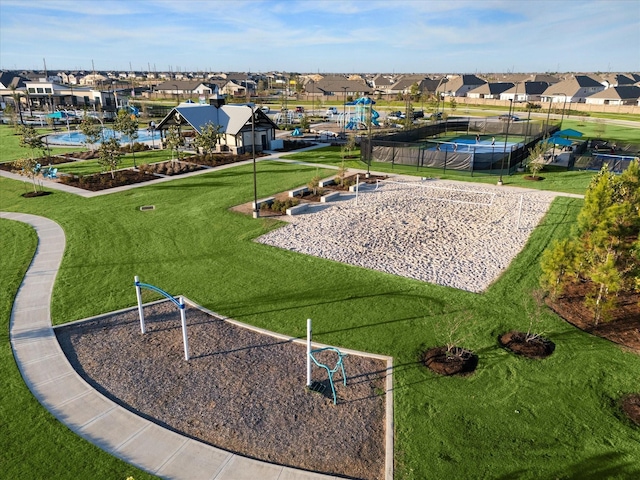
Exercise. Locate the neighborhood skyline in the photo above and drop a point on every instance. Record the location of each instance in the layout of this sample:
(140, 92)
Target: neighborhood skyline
(322, 36)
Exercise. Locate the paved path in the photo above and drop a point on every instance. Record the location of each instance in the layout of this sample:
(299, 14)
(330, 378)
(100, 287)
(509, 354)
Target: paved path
(60, 389)
(88, 194)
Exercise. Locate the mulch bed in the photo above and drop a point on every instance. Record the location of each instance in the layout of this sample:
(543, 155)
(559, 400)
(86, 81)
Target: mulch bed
(104, 181)
(536, 347)
(630, 405)
(624, 326)
(241, 391)
(457, 361)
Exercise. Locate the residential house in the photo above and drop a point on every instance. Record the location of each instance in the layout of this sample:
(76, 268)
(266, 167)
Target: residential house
(620, 95)
(233, 89)
(338, 87)
(460, 85)
(525, 92)
(235, 122)
(187, 87)
(490, 90)
(616, 80)
(574, 90)
(94, 79)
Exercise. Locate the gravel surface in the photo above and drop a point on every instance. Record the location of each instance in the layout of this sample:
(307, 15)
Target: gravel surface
(242, 391)
(461, 236)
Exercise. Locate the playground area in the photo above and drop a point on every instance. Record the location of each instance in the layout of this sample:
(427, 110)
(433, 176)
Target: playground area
(242, 391)
(352, 115)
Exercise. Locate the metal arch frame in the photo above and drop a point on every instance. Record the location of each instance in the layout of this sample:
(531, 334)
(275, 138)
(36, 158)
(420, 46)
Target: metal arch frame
(179, 303)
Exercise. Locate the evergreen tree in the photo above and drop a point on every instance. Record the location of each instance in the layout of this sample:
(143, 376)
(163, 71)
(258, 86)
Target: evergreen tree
(605, 249)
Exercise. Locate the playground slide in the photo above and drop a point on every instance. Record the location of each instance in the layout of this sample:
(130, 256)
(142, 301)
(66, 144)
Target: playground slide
(374, 118)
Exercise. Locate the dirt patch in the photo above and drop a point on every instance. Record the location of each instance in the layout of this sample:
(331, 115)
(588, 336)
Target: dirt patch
(630, 405)
(456, 361)
(170, 168)
(241, 391)
(103, 181)
(535, 347)
(624, 327)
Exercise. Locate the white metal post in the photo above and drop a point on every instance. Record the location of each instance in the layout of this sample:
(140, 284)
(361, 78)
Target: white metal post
(140, 310)
(308, 352)
(357, 186)
(183, 318)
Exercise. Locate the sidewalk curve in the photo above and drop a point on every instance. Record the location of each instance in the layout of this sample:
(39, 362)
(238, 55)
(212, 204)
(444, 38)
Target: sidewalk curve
(59, 388)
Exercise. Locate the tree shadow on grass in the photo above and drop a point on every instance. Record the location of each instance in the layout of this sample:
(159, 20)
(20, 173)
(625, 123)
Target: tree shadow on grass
(597, 467)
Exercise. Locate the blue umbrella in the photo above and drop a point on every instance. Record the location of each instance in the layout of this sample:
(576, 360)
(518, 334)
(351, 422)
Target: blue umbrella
(559, 141)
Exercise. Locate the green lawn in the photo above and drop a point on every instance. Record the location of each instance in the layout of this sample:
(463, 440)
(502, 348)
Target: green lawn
(88, 167)
(11, 150)
(513, 418)
(33, 442)
(556, 180)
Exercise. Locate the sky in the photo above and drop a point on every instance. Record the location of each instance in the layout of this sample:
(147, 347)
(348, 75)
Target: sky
(322, 36)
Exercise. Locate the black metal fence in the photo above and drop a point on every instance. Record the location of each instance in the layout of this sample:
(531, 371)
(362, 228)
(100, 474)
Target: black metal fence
(418, 147)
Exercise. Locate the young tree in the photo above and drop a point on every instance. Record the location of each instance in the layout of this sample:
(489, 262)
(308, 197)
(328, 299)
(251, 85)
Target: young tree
(15, 94)
(304, 123)
(208, 138)
(604, 251)
(559, 265)
(415, 92)
(127, 124)
(174, 140)
(536, 157)
(28, 167)
(30, 139)
(453, 104)
(341, 175)
(92, 131)
(349, 146)
(110, 155)
(314, 184)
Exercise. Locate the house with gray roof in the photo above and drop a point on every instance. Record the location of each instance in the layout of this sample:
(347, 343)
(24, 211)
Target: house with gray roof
(574, 90)
(621, 95)
(525, 92)
(187, 87)
(235, 123)
(338, 87)
(460, 85)
(490, 90)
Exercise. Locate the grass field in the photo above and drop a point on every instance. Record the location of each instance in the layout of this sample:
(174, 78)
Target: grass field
(513, 418)
(557, 180)
(34, 443)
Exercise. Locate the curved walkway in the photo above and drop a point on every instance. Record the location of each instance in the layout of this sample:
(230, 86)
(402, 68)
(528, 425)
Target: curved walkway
(60, 389)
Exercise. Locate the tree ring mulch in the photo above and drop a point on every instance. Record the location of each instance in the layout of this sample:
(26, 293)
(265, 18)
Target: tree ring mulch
(533, 179)
(630, 405)
(456, 361)
(35, 194)
(537, 347)
(242, 390)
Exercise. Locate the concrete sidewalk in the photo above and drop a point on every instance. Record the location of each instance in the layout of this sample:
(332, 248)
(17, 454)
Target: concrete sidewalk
(46, 183)
(59, 388)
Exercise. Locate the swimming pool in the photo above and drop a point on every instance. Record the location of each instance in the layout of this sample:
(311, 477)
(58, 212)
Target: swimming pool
(78, 138)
